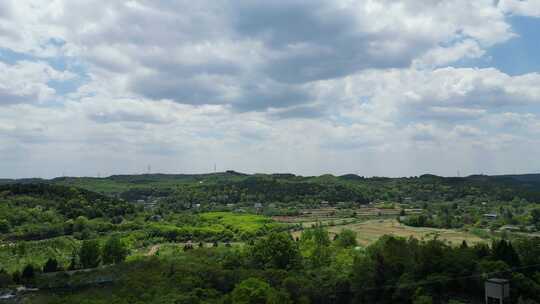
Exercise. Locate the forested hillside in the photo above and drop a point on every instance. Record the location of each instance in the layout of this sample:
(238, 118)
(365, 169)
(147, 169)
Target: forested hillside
(233, 187)
(37, 211)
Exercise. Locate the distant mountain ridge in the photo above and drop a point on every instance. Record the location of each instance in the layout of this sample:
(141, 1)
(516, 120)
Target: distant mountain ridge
(232, 186)
(526, 177)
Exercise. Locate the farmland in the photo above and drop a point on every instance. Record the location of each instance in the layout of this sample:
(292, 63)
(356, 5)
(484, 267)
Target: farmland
(370, 224)
(370, 231)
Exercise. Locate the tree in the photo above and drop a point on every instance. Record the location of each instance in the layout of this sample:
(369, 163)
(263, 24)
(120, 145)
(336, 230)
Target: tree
(51, 265)
(16, 276)
(346, 238)
(315, 245)
(89, 254)
(277, 250)
(535, 217)
(73, 262)
(28, 273)
(529, 251)
(4, 226)
(114, 251)
(278, 297)
(504, 251)
(5, 279)
(251, 291)
(80, 224)
(296, 286)
(421, 298)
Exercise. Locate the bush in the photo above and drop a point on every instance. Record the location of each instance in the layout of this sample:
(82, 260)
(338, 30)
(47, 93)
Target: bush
(423, 300)
(114, 251)
(28, 273)
(4, 226)
(346, 238)
(251, 291)
(5, 279)
(89, 255)
(16, 277)
(278, 251)
(51, 265)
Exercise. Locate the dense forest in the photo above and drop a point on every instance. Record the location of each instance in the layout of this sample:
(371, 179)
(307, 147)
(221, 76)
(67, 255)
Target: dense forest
(278, 269)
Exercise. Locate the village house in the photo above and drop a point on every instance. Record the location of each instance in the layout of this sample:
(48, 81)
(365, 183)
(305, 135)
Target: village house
(490, 216)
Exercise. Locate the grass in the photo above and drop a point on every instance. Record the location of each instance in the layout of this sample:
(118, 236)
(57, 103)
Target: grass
(238, 222)
(213, 226)
(369, 231)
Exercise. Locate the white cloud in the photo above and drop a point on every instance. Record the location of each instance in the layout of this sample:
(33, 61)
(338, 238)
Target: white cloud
(212, 52)
(303, 86)
(529, 8)
(440, 56)
(26, 82)
(445, 94)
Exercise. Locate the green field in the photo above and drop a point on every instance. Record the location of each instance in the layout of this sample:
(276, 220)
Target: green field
(239, 222)
(14, 256)
(206, 227)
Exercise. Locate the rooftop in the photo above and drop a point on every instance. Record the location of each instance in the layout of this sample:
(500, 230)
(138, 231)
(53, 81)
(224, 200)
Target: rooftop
(497, 280)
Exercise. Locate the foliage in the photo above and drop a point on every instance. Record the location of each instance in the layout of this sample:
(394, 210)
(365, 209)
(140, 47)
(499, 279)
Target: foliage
(40, 211)
(277, 250)
(392, 270)
(315, 243)
(504, 251)
(114, 251)
(251, 291)
(5, 278)
(346, 238)
(51, 265)
(234, 187)
(89, 254)
(28, 273)
(535, 217)
(423, 299)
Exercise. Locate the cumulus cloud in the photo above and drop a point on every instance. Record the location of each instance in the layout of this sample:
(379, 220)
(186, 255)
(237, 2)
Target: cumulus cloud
(440, 56)
(304, 86)
(27, 82)
(253, 55)
(521, 7)
(444, 95)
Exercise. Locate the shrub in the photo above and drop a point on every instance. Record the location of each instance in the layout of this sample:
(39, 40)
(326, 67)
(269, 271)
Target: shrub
(51, 265)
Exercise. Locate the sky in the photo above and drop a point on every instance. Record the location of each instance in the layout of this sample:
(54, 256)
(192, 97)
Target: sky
(374, 87)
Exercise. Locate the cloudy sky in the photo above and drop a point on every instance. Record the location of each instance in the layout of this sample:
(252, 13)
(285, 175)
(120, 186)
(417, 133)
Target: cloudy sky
(374, 87)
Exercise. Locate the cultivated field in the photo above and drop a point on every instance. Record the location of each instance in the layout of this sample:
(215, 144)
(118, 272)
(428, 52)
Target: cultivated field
(369, 231)
(327, 214)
